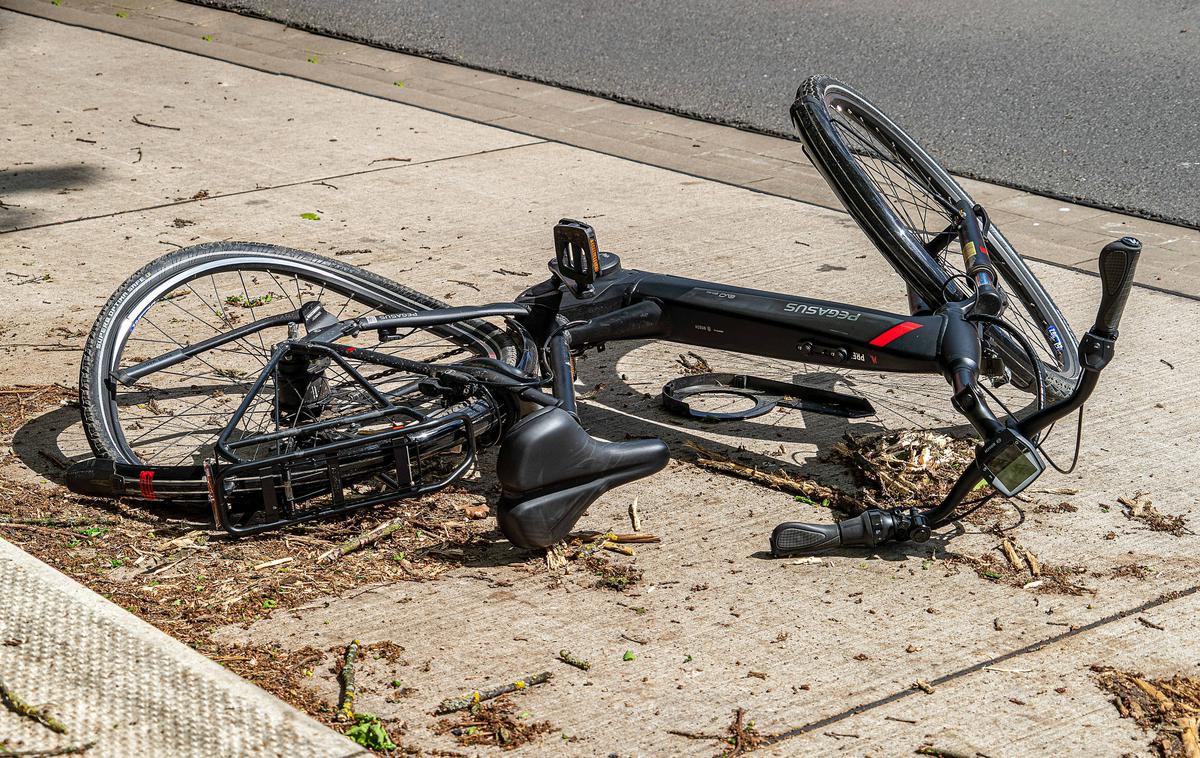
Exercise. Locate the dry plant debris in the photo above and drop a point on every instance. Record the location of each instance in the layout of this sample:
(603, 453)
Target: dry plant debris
(171, 568)
(1017, 566)
(739, 739)
(584, 547)
(612, 576)
(776, 479)
(904, 468)
(469, 699)
(1141, 508)
(1169, 707)
(494, 723)
(899, 469)
(692, 364)
(19, 401)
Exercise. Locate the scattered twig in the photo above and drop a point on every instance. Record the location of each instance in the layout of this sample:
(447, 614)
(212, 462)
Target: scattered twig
(139, 122)
(739, 739)
(635, 518)
(777, 479)
(88, 141)
(1141, 508)
(902, 721)
(693, 363)
(566, 657)
(1010, 553)
(47, 752)
(637, 640)
(644, 538)
(362, 540)
(139, 152)
(18, 706)
(272, 564)
(346, 680)
(1149, 624)
(382, 160)
(622, 549)
(943, 752)
(453, 704)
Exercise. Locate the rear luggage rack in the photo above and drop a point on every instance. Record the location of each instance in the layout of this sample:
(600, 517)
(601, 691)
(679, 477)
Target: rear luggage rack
(317, 466)
(249, 496)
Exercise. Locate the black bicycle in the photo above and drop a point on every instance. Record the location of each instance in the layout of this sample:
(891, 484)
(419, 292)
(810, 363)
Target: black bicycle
(281, 386)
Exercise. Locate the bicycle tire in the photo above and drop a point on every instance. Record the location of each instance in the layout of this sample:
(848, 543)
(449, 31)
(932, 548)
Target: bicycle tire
(134, 297)
(822, 105)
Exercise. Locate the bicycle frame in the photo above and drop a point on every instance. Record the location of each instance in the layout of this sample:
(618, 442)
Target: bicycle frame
(557, 319)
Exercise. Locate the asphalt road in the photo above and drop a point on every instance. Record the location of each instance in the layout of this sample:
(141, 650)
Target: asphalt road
(1093, 101)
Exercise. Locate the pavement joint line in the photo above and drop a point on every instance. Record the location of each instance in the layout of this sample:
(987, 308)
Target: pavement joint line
(634, 102)
(285, 185)
(1033, 647)
(105, 27)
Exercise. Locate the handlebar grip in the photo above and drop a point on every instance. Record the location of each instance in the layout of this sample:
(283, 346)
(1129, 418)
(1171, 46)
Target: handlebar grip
(796, 538)
(1118, 260)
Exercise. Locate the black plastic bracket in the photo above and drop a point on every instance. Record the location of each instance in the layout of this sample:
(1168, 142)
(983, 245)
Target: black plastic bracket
(766, 394)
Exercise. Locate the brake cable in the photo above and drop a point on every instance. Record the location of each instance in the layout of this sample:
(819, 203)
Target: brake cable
(545, 347)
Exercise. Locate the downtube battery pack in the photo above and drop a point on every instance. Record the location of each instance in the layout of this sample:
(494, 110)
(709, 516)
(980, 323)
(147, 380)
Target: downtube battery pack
(766, 394)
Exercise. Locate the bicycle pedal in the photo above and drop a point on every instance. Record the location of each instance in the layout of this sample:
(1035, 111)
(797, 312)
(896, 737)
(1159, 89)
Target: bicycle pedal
(577, 256)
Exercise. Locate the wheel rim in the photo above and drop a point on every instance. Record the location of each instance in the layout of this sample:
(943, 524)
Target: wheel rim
(925, 210)
(173, 416)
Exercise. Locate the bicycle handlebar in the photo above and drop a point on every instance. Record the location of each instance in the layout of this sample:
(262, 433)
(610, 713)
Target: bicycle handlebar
(1118, 261)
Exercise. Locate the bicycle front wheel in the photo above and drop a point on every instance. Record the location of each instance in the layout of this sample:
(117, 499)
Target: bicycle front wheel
(906, 203)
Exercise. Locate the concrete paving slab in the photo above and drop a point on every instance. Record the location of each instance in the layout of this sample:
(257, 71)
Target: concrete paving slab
(662, 220)
(103, 161)
(452, 89)
(712, 610)
(1058, 710)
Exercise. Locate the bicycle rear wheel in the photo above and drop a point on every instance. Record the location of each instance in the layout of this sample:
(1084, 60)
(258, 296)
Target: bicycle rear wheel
(906, 204)
(172, 417)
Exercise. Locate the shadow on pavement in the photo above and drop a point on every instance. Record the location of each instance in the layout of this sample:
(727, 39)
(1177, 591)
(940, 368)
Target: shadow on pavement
(61, 179)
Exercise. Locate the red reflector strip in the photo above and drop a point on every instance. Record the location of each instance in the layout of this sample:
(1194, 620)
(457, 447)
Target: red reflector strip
(146, 479)
(895, 333)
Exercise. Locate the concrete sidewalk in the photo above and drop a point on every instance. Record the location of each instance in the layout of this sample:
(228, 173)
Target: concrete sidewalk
(126, 688)
(823, 653)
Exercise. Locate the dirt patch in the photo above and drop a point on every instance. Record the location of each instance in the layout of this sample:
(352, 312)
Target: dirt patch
(1128, 571)
(609, 575)
(169, 566)
(1168, 707)
(1141, 508)
(18, 403)
(496, 723)
(1016, 566)
(739, 739)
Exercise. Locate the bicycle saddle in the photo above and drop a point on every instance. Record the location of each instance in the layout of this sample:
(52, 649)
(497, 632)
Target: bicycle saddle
(551, 470)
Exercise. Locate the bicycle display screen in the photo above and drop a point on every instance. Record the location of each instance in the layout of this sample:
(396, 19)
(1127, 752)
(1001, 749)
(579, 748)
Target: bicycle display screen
(1012, 465)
